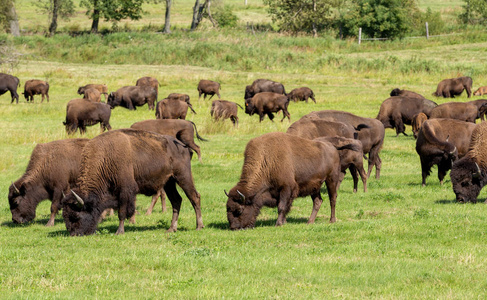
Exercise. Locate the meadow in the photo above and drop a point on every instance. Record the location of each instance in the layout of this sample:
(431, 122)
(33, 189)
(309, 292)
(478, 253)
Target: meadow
(397, 241)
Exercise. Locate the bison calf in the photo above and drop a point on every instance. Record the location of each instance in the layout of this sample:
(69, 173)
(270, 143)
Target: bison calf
(223, 109)
(208, 87)
(102, 88)
(301, 94)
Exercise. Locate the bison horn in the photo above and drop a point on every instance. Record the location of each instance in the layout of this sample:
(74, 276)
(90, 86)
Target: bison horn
(447, 138)
(241, 195)
(454, 149)
(226, 193)
(477, 172)
(16, 189)
(78, 198)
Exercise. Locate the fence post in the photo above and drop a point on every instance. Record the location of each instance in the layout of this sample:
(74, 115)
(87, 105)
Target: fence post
(427, 31)
(359, 35)
(245, 2)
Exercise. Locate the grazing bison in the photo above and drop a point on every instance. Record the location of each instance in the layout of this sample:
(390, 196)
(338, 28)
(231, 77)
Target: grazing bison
(9, 83)
(480, 91)
(417, 122)
(92, 95)
(149, 81)
(223, 109)
(405, 93)
(132, 96)
(267, 103)
(81, 113)
(314, 128)
(397, 111)
(463, 111)
(52, 170)
(469, 174)
(170, 109)
(449, 88)
(36, 87)
(301, 94)
(481, 105)
(181, 97)
(277, 168)
(440, 142)
(102, 88)
(264, 85)
(181, 129)
(372, 136)
(118, 165)
(350, 158)
(208, 87)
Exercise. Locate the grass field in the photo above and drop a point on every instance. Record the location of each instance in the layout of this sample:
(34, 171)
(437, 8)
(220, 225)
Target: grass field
(397, 241)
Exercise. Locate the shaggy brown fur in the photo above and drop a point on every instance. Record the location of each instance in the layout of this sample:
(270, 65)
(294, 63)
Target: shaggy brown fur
(181, 97)
(449, 88)
(301, 94)
(36, 87)
(81, 113)
(170, 109)
(9, 83)
(132, 96)
(267, 103)
(102, 88)
(149, 81)
(482, 107)
(417, 122)
(223, 109)
(462, 111)
(92, 95)
(208, 87)
(405, 93)
(315, 128)
(263, 85)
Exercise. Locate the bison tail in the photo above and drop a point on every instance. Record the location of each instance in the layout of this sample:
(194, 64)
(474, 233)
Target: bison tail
(239, 106)
(197, 135)
(361, 126)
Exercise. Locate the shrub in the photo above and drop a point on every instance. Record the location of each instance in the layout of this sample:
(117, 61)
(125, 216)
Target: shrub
(225, 17)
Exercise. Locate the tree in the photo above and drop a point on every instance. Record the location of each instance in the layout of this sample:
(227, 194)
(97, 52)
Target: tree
(112, 10)
(200, 10)
(167, 24)
(474, 12)
(8, 17)
(55, 9)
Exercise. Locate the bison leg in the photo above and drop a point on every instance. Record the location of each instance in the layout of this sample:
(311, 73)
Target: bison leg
(284, 206)
(160, 193)
(317, 201)
(175, 199)
(313, 98)
(354, 173)
(56, 201)
(234, 120)
(126, 207)
(425, 170)
(185, 181)
(331, 186)
(469, 91)
(374, 160)
(211, 96)
(285, 114)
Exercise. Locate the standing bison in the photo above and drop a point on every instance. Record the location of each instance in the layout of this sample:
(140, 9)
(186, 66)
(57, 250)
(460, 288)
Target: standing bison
(301, 94)
(149, 81)
(264, 85)
(417, 122)
(36, 87)
(171, 109)
(405, 93)
(81, 113)
(449, 88)
(278, 168)
(102, 88)
(223, 109)
(9, 83)
(208, 87)
(52, 170)
(132, 96)
(181, 97)
(92, 95)
(118, 165)
(463, 111)
(267, 103)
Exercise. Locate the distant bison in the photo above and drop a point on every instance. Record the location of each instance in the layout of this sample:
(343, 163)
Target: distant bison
(405, 93)
(132, 96)
(102, 88)
(208, 87)
(118, 165)
(481, 105)
(480, 91)
(267, 103)
(277, 168)
(181, 97)
(81, 113)
(9, 83)
(463, 111)
(264, 85)
(92, 95)
(301, 94)
(223, 109)
(440, 142)
(171, 109)
(449, 88)
(314, 128)
(52, 170)
(149, 81)
(36, 87)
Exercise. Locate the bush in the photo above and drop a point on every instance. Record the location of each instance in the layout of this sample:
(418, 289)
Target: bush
(225, 17)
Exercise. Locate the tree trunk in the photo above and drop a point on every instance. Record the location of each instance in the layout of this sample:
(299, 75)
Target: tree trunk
(55, 9)
(315, 31)
(14, 22)
(167, 24)
(96, 17)
(197, 14)
(209, 13)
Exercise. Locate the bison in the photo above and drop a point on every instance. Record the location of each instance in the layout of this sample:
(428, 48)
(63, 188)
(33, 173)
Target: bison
(417, 122)
(81, 113)
(223, 109)
(9, 83)
(132, 96)
(480, 91)
(449, 88)
(397, 111)
(314, 128)
(469, 174)
(440, 142)
(181, 97)
(36, 87)
(118, 165)
(102, 88)
(267, 103)
(264, 85)
(208, 87)
(301, 94)
(277, 168)
(52, 170)
(170, 109)
(92, 95)
(481, 103)
(405, 93)
(463, 111)
(149, 81)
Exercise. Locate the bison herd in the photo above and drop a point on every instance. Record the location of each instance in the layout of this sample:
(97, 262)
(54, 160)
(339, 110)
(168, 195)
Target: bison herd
(85, 178)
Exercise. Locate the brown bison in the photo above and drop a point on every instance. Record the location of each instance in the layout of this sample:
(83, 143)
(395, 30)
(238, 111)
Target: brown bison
(350, 158)
(36, 87)
(208, 87)
(52, 170)
(417, 122)
(314, 128)
(149, 81)
(469, 174)
(480, 103)
(223, 109)
(9, 83)
(81, 113)
(277, 168)
(118, 165)
(480, 91)
(449, 88)
(301, 94)
(181, 97)
(440, 142)
(102, 88)
(264, 85)
(463, 111)
(92, 95)
(132, 96)
(371, 133)
(397, 111)
(170, 109)
(405, 93)
(181, 129)
(267, 103)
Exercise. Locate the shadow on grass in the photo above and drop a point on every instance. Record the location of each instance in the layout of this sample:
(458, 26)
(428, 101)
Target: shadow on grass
(454, 201)
(39, 221)
(259, 223)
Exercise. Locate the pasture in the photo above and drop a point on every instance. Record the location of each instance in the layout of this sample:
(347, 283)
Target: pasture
(397, 241)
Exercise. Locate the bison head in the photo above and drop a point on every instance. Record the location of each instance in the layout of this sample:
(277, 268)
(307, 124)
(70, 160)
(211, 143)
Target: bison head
(467, 179)
(113, 101)
(81, 90)
(241, 213)
(249, 93)
(249, 106)
(80, 216)
(22, 206)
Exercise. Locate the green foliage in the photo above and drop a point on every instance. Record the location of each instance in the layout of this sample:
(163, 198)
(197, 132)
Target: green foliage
(5, 13)
(114, 10)
(436, 25)
(474, 12)
(65, 10)
(225, 17)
